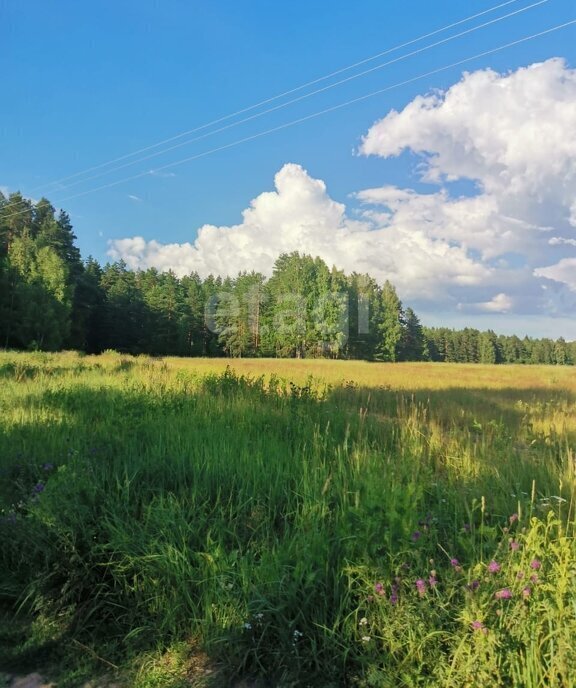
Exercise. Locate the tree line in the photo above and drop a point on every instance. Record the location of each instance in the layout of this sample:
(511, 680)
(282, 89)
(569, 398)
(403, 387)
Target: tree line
(51, 299)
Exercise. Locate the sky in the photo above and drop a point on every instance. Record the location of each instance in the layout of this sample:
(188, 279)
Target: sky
(215, 135)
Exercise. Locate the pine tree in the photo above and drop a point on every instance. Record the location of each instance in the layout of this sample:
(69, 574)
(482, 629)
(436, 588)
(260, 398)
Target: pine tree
(391, 325)
(413, 346)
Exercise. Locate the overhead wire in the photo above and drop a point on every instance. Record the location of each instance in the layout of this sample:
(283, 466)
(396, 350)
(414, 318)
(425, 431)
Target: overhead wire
(281, 95)
(328, 110)
(302, 97)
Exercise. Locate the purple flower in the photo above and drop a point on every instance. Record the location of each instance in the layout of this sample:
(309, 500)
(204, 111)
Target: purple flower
(416, 535)
(455, 565)
(47, 466)
(379, 588)
(527, 591)
(421, 587)
(520, 575)
(39, 487)
(394, 594)
(514, 546)
(474, 585)
(534, 578)
(513, 519)
(479, 626)
(494, 566)
(504, 594)
(535, 564)
(432, 580)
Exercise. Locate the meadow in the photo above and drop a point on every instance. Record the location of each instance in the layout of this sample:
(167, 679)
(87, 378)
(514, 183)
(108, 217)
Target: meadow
(175, 522)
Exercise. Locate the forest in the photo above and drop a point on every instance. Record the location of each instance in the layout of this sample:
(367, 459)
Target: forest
(53, 299)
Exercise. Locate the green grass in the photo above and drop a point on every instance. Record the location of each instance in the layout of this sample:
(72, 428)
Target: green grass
(194, 525)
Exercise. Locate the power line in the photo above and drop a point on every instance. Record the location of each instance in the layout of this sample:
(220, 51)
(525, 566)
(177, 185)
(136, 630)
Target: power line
(303, 97)
(327, 110)
(280, 95)
(317, 114)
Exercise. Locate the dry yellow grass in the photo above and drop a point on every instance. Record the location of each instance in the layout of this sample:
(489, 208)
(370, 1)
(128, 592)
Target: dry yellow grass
(400, 376)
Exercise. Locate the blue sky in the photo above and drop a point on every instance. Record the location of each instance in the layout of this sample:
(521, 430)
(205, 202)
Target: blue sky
(86, 83)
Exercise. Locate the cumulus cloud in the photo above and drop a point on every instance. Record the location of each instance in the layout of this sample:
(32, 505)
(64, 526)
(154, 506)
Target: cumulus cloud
(501, 303)
(564, 271)
(489, 252)
(511, 135)
(300, 216)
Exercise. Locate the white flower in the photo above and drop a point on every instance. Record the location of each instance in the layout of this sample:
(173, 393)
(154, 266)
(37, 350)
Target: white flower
(363, 621)
(365, 638)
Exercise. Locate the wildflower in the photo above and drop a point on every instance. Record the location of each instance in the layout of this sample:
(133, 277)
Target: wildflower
(39, 487)
(248, 626)
(432, 580)
(494, 566)
(363, 621)
(474, 585)
(513, 519)
(527, 591)
(514, 546)
(479, 626)
(504, 594)
(421, 587)
(455, 565)
(416, 535)
(47, 466)
(297, 635)
(365, 638)
(534, 578)
(259, 616)
(379, 588)
(535, 564)
(394, 594)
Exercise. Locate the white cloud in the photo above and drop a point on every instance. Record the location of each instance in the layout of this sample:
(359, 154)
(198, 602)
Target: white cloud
(501, 303)
(558, 241)
(511, 134)
(134, 198)
(564, 272)
(300, 216)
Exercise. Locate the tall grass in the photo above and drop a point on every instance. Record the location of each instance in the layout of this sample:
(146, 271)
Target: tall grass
(397, 528)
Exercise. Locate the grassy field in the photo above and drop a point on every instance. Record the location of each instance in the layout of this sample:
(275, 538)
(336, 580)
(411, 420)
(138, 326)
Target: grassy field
(289, 523)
